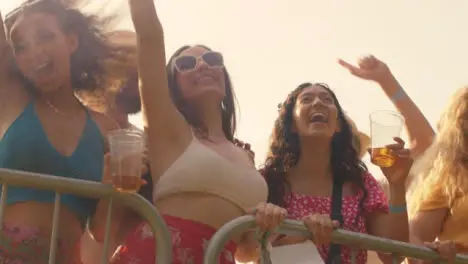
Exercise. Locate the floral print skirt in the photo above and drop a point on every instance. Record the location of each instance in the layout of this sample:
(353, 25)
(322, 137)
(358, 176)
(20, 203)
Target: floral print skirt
(29, 245)
(189, 241)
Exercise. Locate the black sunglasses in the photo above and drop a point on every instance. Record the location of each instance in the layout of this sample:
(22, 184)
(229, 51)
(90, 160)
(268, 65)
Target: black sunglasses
(187, 63)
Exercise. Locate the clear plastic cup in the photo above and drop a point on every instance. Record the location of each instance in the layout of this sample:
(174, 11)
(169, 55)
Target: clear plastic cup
(385, 126)
(126, 147)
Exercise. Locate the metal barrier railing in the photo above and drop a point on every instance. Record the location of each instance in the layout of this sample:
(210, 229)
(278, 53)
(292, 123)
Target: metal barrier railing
(163, 247)
(352, 239)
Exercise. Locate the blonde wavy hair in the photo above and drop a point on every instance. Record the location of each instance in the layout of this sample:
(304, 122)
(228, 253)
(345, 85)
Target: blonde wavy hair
(445, 164)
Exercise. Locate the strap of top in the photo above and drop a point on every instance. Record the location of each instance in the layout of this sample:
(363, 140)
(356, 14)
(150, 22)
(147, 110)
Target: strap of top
(334, 254)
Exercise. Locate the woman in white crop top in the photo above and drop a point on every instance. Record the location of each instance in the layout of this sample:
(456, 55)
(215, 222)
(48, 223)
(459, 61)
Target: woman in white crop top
(202, 180)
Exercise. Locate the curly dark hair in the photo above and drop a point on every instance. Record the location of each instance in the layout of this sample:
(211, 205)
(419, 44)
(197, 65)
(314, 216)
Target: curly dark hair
(96, 64)
(285, 151)
(228, 105)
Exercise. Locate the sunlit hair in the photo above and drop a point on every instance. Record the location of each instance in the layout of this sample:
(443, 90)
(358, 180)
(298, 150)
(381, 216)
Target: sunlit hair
(227, 107)
(126, 69)
(285, 151)
(96, 65)
(445, 163)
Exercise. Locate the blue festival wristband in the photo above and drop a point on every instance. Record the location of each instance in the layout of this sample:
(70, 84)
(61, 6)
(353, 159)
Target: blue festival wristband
(400, 94)
(398, 209)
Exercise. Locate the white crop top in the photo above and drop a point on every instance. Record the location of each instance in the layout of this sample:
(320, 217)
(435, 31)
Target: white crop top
(201, 169)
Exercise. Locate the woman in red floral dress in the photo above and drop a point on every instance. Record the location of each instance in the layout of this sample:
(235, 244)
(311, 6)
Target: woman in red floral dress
(312, 160)
(189, 121)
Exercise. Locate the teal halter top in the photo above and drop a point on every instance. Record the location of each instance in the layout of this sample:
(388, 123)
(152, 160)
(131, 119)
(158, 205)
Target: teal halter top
(25, 147)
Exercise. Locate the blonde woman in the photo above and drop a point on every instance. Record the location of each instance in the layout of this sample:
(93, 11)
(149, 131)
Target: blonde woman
(439, 208)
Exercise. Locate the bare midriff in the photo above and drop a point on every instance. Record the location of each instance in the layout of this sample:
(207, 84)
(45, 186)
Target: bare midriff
(40, 215)
(204, 208)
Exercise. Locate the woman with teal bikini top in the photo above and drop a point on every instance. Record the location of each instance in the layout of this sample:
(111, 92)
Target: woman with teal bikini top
(57, 52)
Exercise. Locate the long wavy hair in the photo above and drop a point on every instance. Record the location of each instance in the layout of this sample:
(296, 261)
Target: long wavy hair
(444, 165)
(96, 65)
(285, 151)
(227, 107)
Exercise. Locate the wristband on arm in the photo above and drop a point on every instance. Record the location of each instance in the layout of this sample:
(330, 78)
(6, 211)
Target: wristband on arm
(397, 209)
(400, 94)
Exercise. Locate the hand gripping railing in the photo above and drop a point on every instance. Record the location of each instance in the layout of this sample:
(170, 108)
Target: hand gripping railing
(96, 190)
(354, 240)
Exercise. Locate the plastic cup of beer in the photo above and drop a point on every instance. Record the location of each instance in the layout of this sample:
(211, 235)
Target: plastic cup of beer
(126, 149)
(385, 126)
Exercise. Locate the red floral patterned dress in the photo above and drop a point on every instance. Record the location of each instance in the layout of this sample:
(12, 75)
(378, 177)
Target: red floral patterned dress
(189, 242)
(26, 245)
(300, 205)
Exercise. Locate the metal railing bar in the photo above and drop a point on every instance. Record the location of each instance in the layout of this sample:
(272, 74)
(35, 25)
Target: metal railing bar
(55, 229)
(344, 237)
(97, 190)
(353, 255)
(3, 197)
(105, 253)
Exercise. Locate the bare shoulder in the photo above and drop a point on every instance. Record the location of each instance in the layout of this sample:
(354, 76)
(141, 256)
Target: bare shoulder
(13, 100)
(13, 95)
(104, 122)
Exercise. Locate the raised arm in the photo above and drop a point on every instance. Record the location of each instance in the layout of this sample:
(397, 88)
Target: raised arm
(168, 133)
(12, 94)
(4, 52)
(419, 130)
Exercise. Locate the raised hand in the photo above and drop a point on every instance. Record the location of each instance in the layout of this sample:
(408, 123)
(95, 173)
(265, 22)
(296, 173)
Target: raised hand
(368, 68)
(5, 51)
(2, 31)
(145, 18)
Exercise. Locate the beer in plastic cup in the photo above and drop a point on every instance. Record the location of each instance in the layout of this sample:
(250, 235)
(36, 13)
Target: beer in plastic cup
(126, 148)
(385, 126)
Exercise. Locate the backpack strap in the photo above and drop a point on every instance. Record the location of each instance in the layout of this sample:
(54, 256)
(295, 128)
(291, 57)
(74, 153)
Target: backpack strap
(334, 254)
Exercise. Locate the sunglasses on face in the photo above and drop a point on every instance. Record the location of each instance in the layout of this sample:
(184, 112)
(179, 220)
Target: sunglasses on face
(187, 63)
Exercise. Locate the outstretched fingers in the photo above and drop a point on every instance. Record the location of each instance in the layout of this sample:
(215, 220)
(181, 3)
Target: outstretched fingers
(352, 69)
